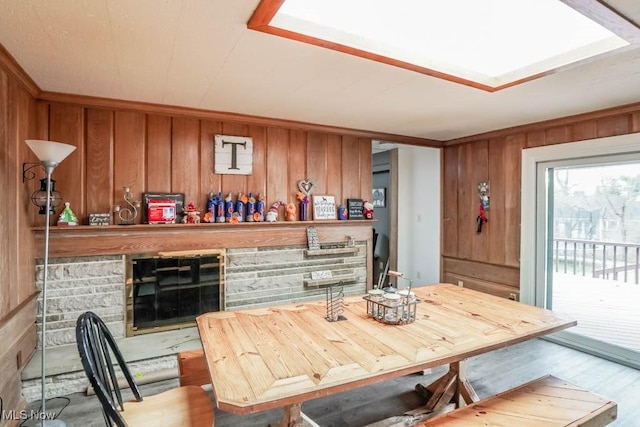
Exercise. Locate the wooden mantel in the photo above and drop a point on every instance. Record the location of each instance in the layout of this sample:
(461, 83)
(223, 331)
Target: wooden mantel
(137, 239)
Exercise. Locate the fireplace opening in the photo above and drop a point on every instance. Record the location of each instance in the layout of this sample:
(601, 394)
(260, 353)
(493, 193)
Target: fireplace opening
(170, 289)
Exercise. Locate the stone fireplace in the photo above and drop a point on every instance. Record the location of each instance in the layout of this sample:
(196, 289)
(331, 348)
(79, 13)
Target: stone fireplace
(224, 279)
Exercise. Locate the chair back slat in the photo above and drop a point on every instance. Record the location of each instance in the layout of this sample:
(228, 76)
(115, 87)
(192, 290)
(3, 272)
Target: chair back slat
(96, 345)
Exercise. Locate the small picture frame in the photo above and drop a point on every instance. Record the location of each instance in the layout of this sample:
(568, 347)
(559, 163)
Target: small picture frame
(100, 218)
(379, 197)
(324, 207)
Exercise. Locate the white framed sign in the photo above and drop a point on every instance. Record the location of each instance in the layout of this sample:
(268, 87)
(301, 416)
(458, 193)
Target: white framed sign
(324, 207)
(233, 155)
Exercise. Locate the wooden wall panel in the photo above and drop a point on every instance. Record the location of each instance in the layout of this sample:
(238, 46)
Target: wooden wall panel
(351, 169)
(7, 240)
(26, 261)
(99, 143)
(129, 156)
(480, 173)
(513, 172)
(278, 182)
(496, 213)
(17, 283)
(558, 135)
(10, 192)
(500, 271)
(256, 182)
(159, 153)
(584, 130)
(158, 161)
(466, 208)
(334, 165)
(614, 125)
(210, 182)
(185, 160)
(450, 201)
(297, 168)
(536, 138)
(316, 160)
(66, 124)
(366, 168)
(635, 122)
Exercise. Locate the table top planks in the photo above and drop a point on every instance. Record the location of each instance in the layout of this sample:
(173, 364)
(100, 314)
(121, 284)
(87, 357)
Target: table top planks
(270, 357)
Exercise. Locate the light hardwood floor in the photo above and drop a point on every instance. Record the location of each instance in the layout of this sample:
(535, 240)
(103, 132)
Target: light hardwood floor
(490, 374)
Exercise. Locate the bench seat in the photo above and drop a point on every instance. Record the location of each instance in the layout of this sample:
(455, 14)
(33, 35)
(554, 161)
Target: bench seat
(547, 401)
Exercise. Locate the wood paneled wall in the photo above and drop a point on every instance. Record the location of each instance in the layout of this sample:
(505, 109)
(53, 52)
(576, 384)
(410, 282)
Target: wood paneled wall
(490, 261)
(158, 153)
(17, 289)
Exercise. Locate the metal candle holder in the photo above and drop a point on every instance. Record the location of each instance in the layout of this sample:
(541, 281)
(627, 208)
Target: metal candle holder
(127, 215)
(335, 303)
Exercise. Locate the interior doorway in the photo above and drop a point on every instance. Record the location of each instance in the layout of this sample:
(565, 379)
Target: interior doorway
(381, 194)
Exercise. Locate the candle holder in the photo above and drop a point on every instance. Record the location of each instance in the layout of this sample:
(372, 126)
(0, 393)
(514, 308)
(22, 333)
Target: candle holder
(127, 214)
(335, 302)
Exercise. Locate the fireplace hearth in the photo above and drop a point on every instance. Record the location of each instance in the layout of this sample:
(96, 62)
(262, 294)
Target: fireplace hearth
(170, 289)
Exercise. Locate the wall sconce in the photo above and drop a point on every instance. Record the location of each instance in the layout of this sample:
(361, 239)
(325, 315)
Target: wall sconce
(39, 197)
(127, 215)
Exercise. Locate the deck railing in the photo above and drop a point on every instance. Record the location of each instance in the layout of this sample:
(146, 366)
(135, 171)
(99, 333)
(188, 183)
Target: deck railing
(606, 260)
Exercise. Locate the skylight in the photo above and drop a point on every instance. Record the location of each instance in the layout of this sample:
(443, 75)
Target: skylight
(492, 43)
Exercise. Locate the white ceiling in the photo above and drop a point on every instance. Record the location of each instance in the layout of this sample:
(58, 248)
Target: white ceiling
(199, 53)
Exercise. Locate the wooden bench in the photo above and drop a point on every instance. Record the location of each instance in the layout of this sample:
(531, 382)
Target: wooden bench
(547, 401)
(192, 368)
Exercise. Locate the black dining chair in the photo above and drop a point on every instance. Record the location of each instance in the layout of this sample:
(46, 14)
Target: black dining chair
(181, 406)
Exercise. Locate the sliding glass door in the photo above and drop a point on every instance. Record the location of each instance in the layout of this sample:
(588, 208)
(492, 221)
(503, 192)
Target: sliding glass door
(588, 251)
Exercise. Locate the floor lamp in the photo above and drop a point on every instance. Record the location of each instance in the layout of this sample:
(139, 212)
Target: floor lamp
(50, 155)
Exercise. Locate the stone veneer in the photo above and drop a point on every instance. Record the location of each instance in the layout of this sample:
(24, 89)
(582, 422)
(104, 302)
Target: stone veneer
(76, 285)
(260, 277)
(254, 277)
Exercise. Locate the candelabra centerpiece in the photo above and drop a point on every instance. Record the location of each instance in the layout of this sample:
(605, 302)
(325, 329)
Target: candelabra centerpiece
(128, 213)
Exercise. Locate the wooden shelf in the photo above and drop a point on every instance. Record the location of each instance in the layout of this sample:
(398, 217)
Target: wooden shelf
(331, 251)
(331, 281)
(85, 240)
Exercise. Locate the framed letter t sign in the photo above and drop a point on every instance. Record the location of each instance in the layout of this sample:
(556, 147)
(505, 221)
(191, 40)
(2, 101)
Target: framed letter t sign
(233, 155)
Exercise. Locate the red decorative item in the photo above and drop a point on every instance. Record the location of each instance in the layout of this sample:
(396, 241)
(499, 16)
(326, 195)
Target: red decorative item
(367, 210)
(481, 219)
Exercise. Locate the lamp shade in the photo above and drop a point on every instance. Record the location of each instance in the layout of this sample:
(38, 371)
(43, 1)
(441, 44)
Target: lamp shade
(50, 151)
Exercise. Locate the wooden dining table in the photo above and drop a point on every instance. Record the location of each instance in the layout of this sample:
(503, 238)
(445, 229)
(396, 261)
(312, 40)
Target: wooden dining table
(282, 356)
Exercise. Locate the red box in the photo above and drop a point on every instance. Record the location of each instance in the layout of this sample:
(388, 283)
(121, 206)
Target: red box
(161, 211)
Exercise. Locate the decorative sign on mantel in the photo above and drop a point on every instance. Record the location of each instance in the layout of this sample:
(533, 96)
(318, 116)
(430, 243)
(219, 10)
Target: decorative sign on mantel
(312, 238)
(324, 207)
(355, 208)
(233, 155)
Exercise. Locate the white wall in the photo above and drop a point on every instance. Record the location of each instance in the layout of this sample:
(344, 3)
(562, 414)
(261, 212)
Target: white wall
(419, 214)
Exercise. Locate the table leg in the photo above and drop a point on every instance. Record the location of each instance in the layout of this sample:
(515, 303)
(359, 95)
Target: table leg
(465, 394)
(453, 385)
(292, 416)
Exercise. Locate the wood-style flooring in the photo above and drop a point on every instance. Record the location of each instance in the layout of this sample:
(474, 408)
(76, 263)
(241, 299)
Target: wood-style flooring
(490, 374)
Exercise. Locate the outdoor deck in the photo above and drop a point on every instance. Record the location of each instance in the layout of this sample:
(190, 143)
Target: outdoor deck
(606, 310)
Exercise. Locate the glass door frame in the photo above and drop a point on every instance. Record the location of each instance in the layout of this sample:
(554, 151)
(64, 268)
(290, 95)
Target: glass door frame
(534, 223)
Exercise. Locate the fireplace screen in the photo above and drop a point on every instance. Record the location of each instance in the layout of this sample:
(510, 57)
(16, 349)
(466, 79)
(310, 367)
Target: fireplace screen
(169, 290)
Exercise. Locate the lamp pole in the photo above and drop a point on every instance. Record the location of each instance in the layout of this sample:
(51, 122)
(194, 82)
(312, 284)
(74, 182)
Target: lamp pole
(50, 154)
